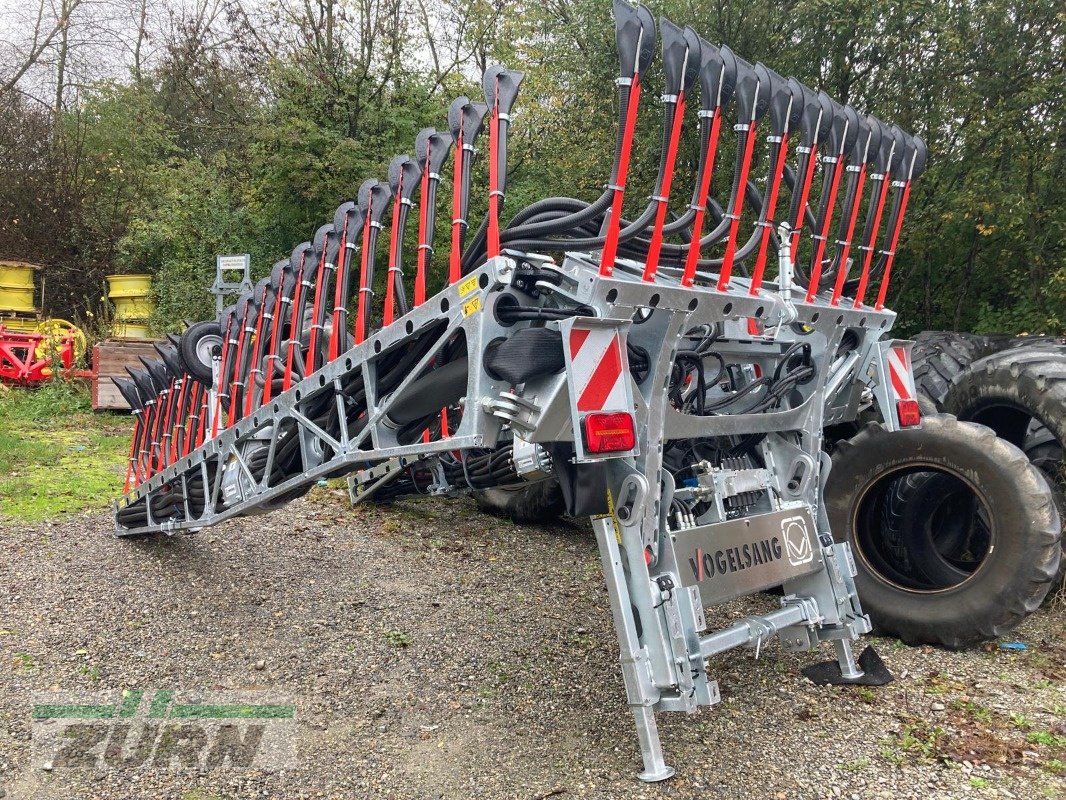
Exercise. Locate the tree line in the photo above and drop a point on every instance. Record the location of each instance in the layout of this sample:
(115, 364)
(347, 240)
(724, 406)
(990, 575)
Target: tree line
(149, 135)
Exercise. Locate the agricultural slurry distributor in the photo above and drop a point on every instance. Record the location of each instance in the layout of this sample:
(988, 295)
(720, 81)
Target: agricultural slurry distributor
(658, 369)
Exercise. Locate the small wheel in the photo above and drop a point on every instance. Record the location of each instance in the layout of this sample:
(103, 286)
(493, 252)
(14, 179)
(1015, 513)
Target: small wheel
(197, 349)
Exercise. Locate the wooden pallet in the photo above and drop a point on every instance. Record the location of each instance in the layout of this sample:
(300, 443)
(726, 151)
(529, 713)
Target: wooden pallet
(110, 358)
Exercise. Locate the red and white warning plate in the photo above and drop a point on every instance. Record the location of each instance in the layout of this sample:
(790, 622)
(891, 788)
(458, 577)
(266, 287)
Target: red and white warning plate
(899, 372)
(597, 358)
(597, 370)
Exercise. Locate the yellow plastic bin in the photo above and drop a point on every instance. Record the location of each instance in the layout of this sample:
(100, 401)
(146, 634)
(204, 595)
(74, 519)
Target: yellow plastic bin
(16, 288)
(133, 309)
(131, 295)
(20, 324)
(129, 286)
(130, 330)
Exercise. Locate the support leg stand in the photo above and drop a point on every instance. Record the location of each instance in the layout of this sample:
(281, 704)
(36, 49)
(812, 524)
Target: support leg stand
(651, 750)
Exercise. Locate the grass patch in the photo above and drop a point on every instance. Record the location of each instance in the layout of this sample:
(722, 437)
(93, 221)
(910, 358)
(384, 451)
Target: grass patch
(397, 638)
(56, 455)
(1047, 739)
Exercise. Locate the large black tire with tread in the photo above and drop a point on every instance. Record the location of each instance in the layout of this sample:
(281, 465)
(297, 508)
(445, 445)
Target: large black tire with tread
(541, 502)
(1015, 391)
(941, 356)
(1018, 565)
(1008, 390)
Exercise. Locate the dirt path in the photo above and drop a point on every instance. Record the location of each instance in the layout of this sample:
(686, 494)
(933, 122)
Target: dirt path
(436, 653)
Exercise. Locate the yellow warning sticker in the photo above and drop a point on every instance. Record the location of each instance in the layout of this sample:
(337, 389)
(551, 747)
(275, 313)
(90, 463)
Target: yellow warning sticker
(467, 286)
(472, 306)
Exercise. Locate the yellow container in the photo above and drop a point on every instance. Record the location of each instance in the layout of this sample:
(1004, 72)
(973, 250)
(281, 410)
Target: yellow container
(131, 295)
(129, 285)
(16, 300)
(16, 287)
(20, 324)
(130, 330)
(17, 274)
(133, 309)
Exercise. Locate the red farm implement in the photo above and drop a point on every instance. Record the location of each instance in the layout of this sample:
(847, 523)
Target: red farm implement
(28, 358)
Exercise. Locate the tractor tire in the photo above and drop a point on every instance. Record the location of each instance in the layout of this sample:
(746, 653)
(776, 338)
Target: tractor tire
(541, 502)
(940, 356)
(197, 348)
(976, 542)
(1020, 393)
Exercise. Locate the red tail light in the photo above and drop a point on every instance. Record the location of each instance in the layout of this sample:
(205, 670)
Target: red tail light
(610, 433)
(909, 413)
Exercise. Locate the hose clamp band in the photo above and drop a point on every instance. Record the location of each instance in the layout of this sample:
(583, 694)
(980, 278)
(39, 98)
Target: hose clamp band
(434, 176)
(669, 98)
(624, 81)
(503, 117)
(706, 113)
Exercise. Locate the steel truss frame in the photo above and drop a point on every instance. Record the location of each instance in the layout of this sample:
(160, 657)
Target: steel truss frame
(658, 613)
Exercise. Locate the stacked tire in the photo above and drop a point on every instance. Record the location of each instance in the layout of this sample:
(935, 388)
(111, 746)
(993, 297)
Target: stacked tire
(957, 527)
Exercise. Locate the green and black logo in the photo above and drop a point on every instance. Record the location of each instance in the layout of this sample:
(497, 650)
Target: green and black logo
(165, 729)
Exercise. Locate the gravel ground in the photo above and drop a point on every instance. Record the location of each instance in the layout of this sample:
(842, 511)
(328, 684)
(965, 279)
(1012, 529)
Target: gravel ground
(437, 653)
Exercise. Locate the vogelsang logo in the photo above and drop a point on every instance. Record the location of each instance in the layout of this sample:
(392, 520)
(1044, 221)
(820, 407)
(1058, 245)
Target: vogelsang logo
(797, 541)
